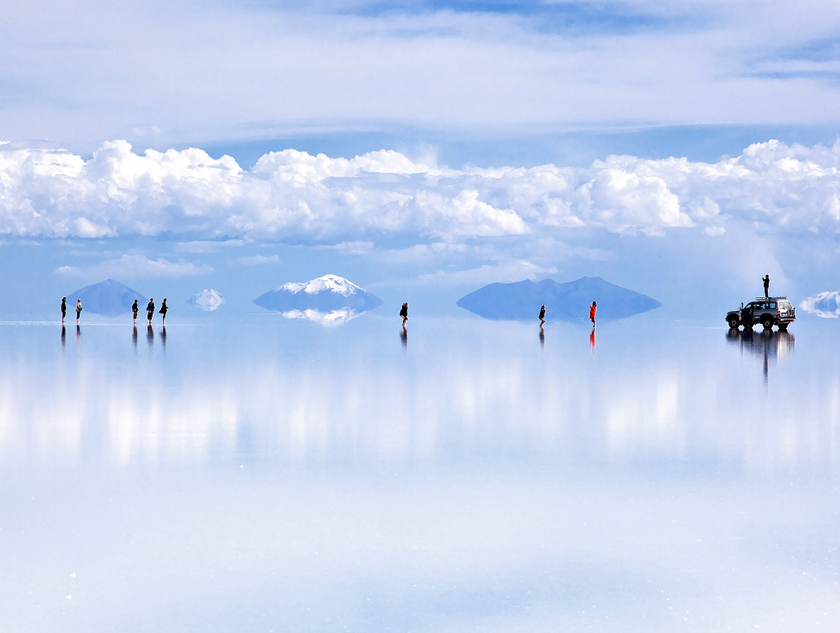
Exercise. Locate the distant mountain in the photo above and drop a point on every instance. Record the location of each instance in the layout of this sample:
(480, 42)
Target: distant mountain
(325, 294)
(108, 298)
(563, 301)
(823, 304)
(208, 300)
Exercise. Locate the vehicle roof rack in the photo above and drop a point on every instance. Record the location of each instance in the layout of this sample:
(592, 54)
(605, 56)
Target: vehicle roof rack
(769, 298)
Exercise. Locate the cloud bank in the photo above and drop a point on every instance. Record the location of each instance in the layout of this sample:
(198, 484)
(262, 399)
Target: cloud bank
(824, 304)
(294, 197)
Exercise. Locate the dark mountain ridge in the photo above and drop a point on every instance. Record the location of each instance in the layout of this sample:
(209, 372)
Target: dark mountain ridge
(568, 301)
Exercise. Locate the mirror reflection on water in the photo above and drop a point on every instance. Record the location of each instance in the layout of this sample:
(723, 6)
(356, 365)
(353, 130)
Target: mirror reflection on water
(274, 475)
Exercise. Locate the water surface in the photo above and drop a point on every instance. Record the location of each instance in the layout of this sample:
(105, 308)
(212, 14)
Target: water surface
(273, 475)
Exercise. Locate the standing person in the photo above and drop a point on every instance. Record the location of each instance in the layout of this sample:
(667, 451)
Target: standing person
(766, 280)
(542, 316)
(134, 310)
(404, 312)
(163, 311)
(592, 309)
(78, 310)
(150, 310)
(63, 309)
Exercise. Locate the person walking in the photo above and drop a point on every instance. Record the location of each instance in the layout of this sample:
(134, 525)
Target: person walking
(542, 316)
(150, 310)
(766, 280)
(78, 310)
(134, 310)
(404, 312)
(592, 309)
(63, 309)
(163, 310)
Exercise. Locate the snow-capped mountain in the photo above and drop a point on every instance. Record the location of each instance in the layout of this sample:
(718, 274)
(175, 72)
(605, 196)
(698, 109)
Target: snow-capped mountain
(336, 317)
(327, 283)
(324, 295)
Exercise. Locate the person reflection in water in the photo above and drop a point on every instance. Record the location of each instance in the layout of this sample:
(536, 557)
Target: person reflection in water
(404, 337)
(78, 310)
(135, 309)
(150, 310)
(63, 309)
(134, 337)
(163, 310)
(542, 337)
(542, 316)
(163, 337)
(404, 313)
(63, 336)
(592, 309)
(592, 340)
(150, 335)
(78, 336)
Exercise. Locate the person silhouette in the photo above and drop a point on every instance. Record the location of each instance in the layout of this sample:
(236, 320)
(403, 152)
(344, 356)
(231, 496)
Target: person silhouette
(592, 309)
(163, 310)
(766, 280)
(542, 315)
(63, 309)
(150, 310)
(134, 310)
(404, 313)
(78, 310)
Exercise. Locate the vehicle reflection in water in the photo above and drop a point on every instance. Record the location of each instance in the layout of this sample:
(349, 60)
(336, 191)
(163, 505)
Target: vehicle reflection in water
(767, 344)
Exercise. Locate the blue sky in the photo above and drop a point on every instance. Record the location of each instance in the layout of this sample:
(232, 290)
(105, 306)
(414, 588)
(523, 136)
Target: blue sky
(677, 148)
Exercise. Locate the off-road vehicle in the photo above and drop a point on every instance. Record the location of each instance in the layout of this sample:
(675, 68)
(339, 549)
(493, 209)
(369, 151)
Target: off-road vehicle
(768, 311)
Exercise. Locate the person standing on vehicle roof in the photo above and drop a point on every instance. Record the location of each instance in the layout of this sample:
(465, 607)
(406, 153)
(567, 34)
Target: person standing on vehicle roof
(766, 280)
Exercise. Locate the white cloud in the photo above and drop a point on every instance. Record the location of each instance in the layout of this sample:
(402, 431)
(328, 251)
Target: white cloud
(824, 304)
(298, 198)
(256, 260)
(505, 272)
(208, 300)
(132, 265)
(288, 67)
(205, 246)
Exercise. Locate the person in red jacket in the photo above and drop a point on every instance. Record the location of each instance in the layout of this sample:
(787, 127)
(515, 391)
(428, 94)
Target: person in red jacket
(592, 309)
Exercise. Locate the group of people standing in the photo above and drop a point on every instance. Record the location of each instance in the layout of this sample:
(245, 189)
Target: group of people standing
(135, 309)
(150, 310)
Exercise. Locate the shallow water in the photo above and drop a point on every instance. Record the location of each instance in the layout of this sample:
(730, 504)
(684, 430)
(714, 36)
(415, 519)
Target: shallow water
(270, 475)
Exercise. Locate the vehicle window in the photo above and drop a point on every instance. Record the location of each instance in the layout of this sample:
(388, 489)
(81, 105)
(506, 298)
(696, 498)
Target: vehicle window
(773, 306)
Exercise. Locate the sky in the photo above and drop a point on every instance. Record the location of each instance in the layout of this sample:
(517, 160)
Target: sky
(420, 149)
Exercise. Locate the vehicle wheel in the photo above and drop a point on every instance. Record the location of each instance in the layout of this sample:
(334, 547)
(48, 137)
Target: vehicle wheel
(734, 322)
(767, 322)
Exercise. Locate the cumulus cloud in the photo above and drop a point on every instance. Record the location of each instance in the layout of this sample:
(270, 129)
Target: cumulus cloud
(132, 265)
(295, 197)
(824, 304)
(208, 300)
